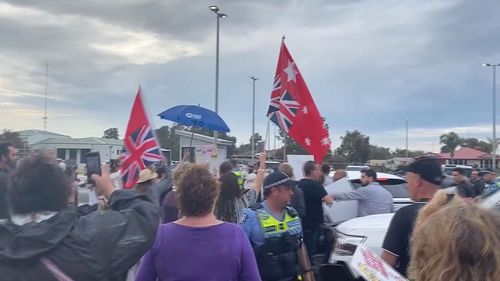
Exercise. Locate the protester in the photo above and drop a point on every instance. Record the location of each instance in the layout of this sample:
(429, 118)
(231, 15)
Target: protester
(252, 175)
(297, 201)
(237, 172)
(490, 184)
(454, 240)
(477, 182)
(198, 246)
(8, 158)
(325, 170)
(233, 199)
(46, 240)
(115, 173)
(424, 177)
(163, 185)
(339, 174)
(314, 196)
(275, 232)
(463, 187)
(372, 197)
(168, 198)
(170, 211)
(147, 178)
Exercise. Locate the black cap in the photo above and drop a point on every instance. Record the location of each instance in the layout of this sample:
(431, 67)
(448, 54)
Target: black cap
(486, 171)
(428, 168)
(278, 179)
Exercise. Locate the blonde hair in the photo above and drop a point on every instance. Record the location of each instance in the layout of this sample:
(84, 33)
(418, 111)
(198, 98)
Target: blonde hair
(455, 241)
(287, 169)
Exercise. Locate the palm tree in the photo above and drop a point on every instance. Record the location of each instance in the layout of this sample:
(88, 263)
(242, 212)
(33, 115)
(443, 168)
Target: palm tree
(490, 143)
(451, 141)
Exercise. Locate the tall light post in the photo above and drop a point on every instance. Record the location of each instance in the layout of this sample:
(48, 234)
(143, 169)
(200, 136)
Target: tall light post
(219, 15)
(407, 159)
(253, 117)
(494, 144)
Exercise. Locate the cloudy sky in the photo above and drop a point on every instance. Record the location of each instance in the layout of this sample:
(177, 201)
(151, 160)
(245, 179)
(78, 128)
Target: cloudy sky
(369, 64)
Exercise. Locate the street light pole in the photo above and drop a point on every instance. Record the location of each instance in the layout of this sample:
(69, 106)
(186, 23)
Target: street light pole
(253, 117)
(219, 15)
(494, 144)
(407, 142)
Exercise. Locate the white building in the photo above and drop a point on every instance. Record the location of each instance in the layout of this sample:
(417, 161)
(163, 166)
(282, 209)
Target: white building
(76, 148)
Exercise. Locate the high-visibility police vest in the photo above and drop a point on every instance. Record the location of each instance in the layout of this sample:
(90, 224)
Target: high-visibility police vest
(240, 177)
(277, 258)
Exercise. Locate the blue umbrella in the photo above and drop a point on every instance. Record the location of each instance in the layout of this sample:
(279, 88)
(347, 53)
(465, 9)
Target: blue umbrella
(196, 116)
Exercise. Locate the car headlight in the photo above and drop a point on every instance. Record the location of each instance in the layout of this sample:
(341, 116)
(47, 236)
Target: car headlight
(345, 244)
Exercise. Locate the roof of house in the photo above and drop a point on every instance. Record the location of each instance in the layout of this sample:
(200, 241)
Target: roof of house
(31, 132)
(464, 153)
(202, 137)
(91, 140)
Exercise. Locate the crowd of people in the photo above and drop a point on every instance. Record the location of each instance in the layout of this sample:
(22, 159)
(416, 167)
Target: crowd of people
(184, 224)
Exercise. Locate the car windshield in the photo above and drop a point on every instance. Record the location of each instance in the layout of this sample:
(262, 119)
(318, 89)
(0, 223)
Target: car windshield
(397, 188)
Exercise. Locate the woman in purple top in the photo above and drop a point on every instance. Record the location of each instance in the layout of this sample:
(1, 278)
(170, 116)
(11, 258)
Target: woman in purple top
(198, 246)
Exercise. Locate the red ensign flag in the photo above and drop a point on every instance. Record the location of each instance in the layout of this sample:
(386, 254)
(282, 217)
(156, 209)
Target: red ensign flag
(293, 109)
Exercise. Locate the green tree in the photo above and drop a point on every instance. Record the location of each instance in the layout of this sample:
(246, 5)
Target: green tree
(490, 144)
(379, 153)
(355, 148)
(470, 143)
(111, 133)
(450, 143)
(411, 153)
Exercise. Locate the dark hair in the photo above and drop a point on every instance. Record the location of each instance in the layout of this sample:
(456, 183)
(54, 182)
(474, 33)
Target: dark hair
(197, 191)
(229, 191)
(4, 149)
(370, 173)
(114, 165)
(39, 184)
(325, 168)
(267, 192)
(162, 171)
(459, 170)
(225, 167)
(309, 167)
(233, 162)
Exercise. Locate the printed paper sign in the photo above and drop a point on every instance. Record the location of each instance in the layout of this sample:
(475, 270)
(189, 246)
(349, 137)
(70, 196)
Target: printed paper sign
(372, 267)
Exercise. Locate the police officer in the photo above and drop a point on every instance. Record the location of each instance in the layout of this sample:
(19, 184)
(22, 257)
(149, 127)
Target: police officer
(237, 172)
(275, 232)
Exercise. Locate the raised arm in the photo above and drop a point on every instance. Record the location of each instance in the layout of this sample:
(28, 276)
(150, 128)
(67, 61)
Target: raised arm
(259, 180)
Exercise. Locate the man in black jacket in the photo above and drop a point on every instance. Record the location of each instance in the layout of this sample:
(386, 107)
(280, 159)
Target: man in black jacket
(46, 240)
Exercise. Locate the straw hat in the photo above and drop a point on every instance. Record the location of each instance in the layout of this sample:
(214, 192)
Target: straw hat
(146, 175)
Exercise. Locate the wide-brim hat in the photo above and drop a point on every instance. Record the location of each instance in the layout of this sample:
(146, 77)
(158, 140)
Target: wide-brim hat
(146, 175)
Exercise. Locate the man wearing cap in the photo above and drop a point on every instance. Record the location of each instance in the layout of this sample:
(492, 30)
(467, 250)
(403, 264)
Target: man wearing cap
(424, 177)
(490, 184)
(275, 232)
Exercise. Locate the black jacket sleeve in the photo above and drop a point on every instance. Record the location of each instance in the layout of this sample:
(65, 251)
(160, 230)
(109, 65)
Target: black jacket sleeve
(118, 237)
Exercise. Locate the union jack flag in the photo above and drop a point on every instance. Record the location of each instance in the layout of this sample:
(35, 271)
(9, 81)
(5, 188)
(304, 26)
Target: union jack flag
(140, 146)
(282, 110)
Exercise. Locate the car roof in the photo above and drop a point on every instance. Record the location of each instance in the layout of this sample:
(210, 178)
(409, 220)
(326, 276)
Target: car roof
(356, 175)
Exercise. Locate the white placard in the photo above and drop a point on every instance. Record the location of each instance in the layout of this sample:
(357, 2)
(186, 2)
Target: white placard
(297, 162)
(372, 267)
(207, 154)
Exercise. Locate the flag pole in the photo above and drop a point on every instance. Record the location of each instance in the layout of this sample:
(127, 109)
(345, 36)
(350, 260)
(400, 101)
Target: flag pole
(148, 112)
(268, 137)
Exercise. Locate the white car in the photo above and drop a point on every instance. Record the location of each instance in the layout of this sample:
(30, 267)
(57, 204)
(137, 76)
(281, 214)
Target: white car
(371, 231)
(345, 210)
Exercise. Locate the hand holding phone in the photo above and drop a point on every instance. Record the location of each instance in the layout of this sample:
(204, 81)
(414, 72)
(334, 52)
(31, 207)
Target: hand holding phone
(93, 164)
